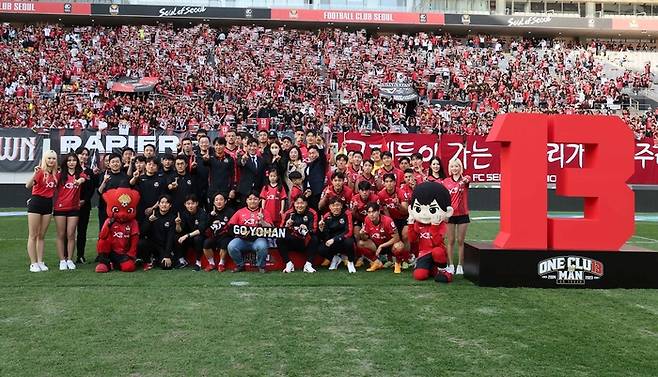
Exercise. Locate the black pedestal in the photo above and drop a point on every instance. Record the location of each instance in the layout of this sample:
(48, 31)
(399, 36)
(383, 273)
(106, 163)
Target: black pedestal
(488, 266)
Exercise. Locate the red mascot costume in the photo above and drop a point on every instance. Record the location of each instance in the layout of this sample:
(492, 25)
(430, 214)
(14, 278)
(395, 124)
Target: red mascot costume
(117, 240)
(429, 210)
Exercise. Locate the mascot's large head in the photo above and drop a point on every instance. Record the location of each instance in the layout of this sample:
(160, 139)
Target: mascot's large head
(430, 203)
(121, 204)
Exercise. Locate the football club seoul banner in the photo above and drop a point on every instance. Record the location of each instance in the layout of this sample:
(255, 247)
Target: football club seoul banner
(481, 159)
(357, 16)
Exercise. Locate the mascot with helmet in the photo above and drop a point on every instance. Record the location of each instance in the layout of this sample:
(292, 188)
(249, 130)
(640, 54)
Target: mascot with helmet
(429, 211)
(117, 240)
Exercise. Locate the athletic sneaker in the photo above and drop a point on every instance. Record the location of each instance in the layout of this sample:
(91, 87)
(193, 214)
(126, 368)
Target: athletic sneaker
(70, 264)
(345, 261)
(221, 267)
(460, 270)
(350, 268)
(182, 263)
(397, 268)
(388, 264)
(289, 268)
(43, 266)
(359, 263)
(308, 268)
(81, 260)
(376, 265)
(209, 268)
(148, 266)
(450, 269)
(34, 267)
(325, 263)
(196, 268)
(63, 266)
(335, 262)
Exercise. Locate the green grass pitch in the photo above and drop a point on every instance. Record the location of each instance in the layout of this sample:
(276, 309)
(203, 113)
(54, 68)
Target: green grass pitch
(181, 323)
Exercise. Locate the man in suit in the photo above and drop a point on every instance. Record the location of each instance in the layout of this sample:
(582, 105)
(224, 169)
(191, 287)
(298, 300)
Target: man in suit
(252, 170)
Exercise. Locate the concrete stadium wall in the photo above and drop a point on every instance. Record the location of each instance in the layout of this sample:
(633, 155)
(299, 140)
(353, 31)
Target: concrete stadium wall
(480, 199)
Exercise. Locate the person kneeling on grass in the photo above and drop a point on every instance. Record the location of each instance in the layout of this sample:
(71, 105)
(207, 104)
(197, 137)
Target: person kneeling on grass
(190, 228)
(158, 235)
(380, 235)
(336, 235)
(250, 216)
(218, 235)
(301, 223)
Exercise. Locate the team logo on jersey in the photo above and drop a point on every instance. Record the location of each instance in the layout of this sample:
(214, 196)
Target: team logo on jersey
(196, 222)
(128, 228)
(305, 218)
(166, 225)
(156, 184)
(189, 181)
(425, 236)
(69, 185)
(50, 184)
(341, 221)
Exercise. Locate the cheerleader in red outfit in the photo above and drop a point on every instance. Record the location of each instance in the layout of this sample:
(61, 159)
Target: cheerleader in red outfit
(435, 172)
(40, 207)
(67, 208)
(457, 184)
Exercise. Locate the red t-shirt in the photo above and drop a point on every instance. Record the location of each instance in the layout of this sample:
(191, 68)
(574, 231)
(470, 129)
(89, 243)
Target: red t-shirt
(361, 177)
(427, 236)
(68, 195)
(381, 232)
(44, 184)
(407, 191)
(271, 198)
(387, 201)
(458, 194)
(295, 192)
(345, 194)
(247, 217)
(358, 205)
(399, 175)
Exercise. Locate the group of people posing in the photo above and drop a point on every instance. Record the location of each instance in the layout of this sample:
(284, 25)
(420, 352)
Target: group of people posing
(339, 206)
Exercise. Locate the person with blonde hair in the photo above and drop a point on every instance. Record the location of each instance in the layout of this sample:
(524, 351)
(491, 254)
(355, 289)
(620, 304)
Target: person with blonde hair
(40, 207)
(457, 184)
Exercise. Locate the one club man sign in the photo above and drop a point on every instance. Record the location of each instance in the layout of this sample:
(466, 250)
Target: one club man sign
(534, 250)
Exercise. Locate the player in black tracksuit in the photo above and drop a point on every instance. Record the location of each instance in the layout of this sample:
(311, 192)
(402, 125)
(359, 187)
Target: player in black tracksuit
(190, 230)
(113, 177)
(150, 187)
(301, 235)
(336, 234)
(181, 184)
(217, 233)
(221, 170)
(157, 236)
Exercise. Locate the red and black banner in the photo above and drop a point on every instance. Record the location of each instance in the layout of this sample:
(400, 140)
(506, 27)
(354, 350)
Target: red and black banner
(357, 16)
(182, 11)
(521, 22)
(134, 85)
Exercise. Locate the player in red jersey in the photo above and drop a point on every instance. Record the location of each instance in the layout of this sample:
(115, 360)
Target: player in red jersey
(39, 208)
(457, 184)
(250, 216)
(67, 208)
(435, 172)
(296, 186)
(273, 197)
(394, 203)
(417, 166)
(341, 167)
(359, 211)
(337, 188)
(366, 174)
(380, 235)
(388, 168)
(354, 169)
(409, 184)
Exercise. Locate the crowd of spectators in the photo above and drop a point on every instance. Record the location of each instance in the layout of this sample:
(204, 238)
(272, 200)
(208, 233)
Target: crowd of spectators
(57, 77)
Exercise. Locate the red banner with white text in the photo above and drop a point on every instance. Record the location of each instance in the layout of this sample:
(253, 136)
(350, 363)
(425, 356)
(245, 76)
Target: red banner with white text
(358, 16)
(481, 159)
(38, 7)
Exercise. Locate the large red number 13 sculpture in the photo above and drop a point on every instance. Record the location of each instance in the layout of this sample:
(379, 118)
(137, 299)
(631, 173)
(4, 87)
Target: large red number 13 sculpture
(608, 163)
